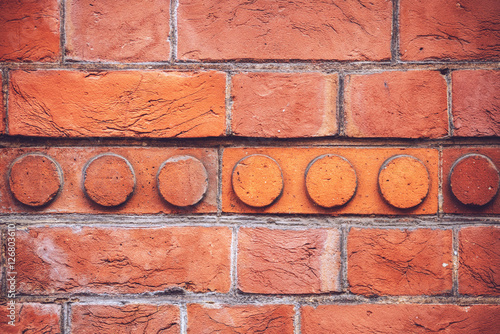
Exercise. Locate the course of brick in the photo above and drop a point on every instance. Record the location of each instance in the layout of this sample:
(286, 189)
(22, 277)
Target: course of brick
(288, 167)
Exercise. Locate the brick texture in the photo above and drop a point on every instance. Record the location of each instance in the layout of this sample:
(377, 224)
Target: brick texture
(117, 104)
(409, 104)
(121, 260)
(399, 262)
(33, 318)
(284, 105)
(288, 261)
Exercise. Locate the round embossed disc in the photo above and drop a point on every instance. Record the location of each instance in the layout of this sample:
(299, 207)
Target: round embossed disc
(404, 181)
(257, 180)
(108, 179)
(474, 179)
(182, 180)
(330, 181)
(35, 179)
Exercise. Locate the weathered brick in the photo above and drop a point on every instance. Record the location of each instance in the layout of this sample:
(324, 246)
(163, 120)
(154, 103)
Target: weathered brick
(294, 161)
(267, 30)
(476, 108)
(288, 261)
(463, 29)
(130, 318)
(2, 108)
(30, 30)
(144, 160)
(405, 318)
(284, 105)
(399, 262)
(123, 260)
(117, 104)
(133, 30)
(32, 318)
(410, 104)
(240, 319)
(479, 270)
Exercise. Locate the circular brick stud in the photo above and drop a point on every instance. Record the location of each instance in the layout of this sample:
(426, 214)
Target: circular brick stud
(404, 181)
(257, 180)
(474, 180)
(330, 181)
(35, 179)
(182, 180)
(108, 179)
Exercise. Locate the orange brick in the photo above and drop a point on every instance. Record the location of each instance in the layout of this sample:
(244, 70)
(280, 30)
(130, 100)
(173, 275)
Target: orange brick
(464, 29)
(403, 318)
(122, 260)
(30, 318)
(145, 163)
(268, 30)
(117, 104)
(251, 319)
(130, 318)
(30, 31)
(284, 105)
(294, 162)
(399, 262)
(409, 104)
(479, 270)
(2, 108)
(133, 30)
(288, 261)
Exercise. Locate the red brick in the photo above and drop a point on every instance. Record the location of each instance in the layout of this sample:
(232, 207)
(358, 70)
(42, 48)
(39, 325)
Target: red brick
(399, 262)
(30, 30)
(479, 270)
(463, 29)
(450, 203)
(133, 30)
(240, 319)
(123, 260)
(288, 261)
(294, 162)
(32, 318)
(405, 318)
(476, 109)
(268, 30)
(410, 104)
(130, 318)
(2, 108)
(145, 161)
(117, 104)
(284, 105)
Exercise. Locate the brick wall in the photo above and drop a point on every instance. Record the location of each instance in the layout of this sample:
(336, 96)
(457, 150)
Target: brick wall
(207, 166)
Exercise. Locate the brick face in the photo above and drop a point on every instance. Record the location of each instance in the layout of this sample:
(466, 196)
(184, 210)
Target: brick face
(33, 318)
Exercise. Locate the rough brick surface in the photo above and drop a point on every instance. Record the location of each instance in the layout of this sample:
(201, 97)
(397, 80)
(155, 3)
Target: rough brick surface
(479, 270)
(476, 107)
(288, 261)
(215, 30)
(145, 161)
(30, 30)
(399, 262)
(410, 104)
(294, 161)
(333, 319)
(284, 105)
(117, 104)
(133, 31)
(240, 319)
(126, 319)
(2, 108)
(463, 29)
(31, 318)
(121, 260)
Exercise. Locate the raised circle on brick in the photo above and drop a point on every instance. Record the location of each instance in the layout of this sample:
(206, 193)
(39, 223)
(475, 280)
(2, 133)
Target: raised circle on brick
(257, 180)
(474, 180)
(330, 180)
(35, 179)
(108, 179)
(404, 181)
(182, 180)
